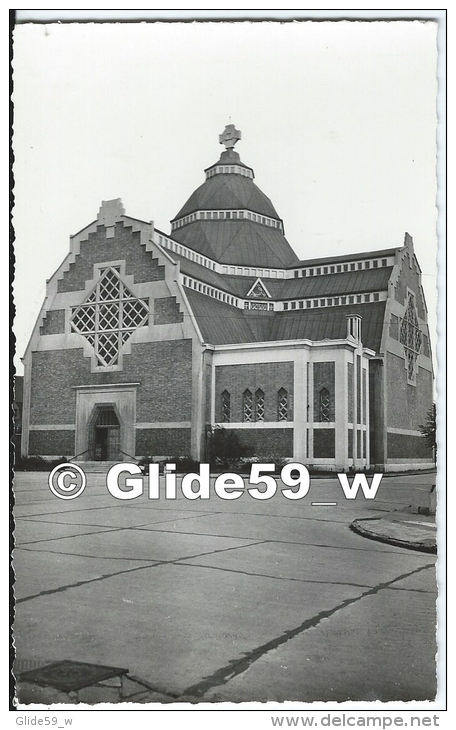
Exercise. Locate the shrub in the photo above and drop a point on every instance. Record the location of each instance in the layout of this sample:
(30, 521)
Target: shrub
(183, 464)
(224, 447)
(37, 463)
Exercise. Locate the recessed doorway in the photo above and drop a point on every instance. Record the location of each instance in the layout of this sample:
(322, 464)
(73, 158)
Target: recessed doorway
(105, 435)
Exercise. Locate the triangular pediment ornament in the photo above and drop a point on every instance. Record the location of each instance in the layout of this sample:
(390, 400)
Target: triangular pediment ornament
(258, 290)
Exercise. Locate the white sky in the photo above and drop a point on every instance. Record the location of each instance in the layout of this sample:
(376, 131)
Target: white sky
(338, 121)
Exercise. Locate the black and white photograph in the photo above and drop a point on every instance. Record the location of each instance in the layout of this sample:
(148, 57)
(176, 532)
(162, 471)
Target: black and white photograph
(227, 244)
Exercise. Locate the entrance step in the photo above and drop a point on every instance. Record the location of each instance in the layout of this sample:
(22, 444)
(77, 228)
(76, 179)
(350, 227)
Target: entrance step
(101, 467)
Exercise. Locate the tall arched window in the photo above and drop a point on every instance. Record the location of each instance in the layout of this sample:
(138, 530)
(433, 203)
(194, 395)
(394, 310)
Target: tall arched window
(247, 406)
(226, 406)
(324, 405)
(282, 405)
(259, 405)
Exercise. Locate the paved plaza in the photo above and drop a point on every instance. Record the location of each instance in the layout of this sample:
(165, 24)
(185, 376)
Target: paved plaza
(233, 601)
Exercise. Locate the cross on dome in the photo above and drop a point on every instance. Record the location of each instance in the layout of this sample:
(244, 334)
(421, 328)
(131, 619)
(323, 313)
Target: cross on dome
(229, 136)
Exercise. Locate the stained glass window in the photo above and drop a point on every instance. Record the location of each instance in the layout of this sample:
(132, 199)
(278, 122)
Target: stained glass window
(247, 406)
(109, 316)
(259, 405)
(411, 337)
(282, 405)
(324, 405)
(226, 406)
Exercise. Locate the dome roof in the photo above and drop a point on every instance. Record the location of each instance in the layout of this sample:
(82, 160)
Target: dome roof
(229, 219)
(228, 191)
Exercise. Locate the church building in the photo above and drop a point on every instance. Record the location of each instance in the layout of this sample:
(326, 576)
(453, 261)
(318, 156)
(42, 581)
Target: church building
(146, 340)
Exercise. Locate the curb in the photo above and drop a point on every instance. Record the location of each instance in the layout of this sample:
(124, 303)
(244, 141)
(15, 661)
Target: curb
(357, 527)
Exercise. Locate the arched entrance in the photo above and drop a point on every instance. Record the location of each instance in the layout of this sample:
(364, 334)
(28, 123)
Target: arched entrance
(104, 439)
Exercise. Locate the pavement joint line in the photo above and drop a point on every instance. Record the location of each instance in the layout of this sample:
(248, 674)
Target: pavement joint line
(275, 577)
(154, 564)
(68, 511)
(84, 555)
(146, 528)
(239, 666)
(302, 580)
(107, 529)
(64, 537)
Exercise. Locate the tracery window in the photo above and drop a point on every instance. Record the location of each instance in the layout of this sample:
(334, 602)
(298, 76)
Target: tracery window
(282, 405)
(226, 406)
(109, 316)
(411, 337)
(324, 405)
(259, 405)
(247, 406)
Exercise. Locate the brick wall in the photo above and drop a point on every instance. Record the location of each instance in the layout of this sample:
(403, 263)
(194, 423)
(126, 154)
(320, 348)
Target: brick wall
(163, 441)
(324, 440)
(167, 311)
(394, 327)
(407, 405)
(267, 442)
(376, 412)
(98, 248)
(164, 370)
(269, 376)
(324, 377)
(402, 446)
(53, 323)
(410, 278)
(57, 443)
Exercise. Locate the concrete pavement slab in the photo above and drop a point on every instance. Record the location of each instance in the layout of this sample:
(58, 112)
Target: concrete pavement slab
(307, 563)
(377, 653)
(28, 531)
(139, 545)
(172, 625)
(305, 529)
(38, 572)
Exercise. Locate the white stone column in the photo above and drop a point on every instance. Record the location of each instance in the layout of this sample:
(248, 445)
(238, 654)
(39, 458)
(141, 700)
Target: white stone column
(300, 405)
(341, 415)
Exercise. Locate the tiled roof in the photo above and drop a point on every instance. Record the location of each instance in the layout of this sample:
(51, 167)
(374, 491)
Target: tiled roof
(330, 284)
(228, 191)
(347, 282)
(222, 324)
(348, 257)
(202, 273)
(219, 323)
(330, 323)
(240, 242)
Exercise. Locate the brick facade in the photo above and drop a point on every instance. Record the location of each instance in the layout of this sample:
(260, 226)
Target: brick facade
(51, 443)
(409, 277)
(407, 405)
(324, 443)
(167, 311)
(324, 377)
(53, 323)
(267, 442)
(98, 248)
(403, 446)
(163, 441)
(270, 377)
(163, 369)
